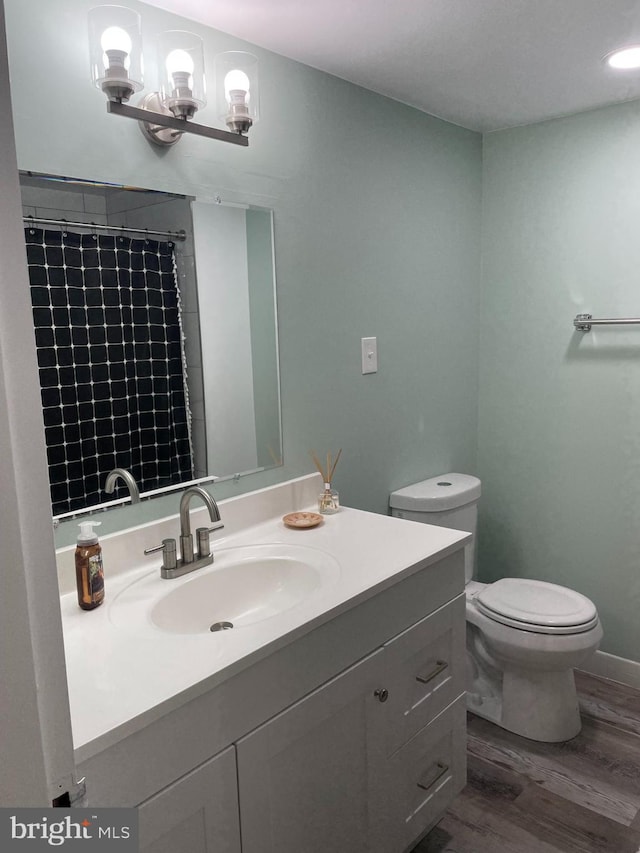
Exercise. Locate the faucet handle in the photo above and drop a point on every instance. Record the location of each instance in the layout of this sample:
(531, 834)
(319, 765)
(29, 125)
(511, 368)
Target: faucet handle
(169, 554)
(202, 538)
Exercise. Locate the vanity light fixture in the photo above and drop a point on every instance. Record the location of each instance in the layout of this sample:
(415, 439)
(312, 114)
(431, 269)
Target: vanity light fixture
(115, 48)
(625, 58)
(115, 45)
(237, 97)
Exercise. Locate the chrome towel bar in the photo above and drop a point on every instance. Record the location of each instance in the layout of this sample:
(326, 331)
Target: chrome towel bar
(584, 322)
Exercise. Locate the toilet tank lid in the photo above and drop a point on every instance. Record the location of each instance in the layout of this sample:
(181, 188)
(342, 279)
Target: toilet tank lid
(437, 494)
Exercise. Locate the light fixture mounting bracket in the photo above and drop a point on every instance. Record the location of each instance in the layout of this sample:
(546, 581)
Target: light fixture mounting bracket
(152, 131)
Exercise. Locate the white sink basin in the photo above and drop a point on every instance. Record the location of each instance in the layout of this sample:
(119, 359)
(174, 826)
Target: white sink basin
(245, 585)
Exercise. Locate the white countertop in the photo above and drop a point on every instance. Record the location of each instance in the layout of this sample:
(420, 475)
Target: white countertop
(121, 680)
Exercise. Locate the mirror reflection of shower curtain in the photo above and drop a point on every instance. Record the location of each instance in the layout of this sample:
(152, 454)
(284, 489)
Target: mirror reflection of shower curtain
(110, 355)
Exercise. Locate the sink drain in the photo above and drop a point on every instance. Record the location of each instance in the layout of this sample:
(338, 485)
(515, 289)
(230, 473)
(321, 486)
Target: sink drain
(221, 626)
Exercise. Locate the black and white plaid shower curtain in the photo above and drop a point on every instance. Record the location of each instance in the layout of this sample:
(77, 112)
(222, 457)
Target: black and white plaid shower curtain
(109, 341)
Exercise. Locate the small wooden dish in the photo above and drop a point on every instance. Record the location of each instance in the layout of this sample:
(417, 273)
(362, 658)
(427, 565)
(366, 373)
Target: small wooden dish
(302, 520)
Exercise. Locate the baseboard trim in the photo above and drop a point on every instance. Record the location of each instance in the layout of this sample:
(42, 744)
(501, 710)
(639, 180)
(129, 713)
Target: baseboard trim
(615, 668)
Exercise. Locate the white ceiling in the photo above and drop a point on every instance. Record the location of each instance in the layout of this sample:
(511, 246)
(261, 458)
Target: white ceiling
(482, 64)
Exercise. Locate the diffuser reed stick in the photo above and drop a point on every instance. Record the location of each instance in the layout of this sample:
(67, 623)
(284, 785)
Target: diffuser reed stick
(333, 467)
(328, 471)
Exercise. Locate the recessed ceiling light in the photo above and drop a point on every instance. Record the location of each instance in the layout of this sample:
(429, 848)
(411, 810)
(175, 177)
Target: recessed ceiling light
(626, 57)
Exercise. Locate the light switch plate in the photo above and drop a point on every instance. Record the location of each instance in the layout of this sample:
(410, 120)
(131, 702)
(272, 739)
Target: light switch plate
(369, 355)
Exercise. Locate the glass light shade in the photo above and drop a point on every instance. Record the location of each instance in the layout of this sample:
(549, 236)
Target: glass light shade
(237, 91)
(115, 50)
(181, 68)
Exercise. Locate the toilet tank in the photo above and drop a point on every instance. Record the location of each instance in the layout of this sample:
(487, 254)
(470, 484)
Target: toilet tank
(450, 500)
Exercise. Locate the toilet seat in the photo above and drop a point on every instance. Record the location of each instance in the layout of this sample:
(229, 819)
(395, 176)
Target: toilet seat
(537, 606)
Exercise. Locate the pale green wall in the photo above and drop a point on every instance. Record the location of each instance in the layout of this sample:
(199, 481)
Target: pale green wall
(377, 212)
(377, 215)
(559, 415)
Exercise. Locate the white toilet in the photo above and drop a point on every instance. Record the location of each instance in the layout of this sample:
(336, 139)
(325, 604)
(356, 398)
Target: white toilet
(524, 637)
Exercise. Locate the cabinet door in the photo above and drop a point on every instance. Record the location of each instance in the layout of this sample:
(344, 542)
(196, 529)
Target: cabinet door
(305, 776)
(197, 814)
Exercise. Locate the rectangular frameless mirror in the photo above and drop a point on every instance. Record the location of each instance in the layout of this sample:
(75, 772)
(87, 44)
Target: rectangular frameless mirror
(156, 332)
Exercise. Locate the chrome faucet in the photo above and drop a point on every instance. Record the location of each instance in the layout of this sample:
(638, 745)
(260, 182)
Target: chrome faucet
(127, 478)
(172, 567)
(186, 539)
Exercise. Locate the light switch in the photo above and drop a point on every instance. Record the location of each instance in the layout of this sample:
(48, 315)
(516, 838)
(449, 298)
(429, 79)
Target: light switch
(369, 355)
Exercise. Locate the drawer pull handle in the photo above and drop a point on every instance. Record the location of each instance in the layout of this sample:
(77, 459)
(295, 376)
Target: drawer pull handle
(432, 775)
(440, 666)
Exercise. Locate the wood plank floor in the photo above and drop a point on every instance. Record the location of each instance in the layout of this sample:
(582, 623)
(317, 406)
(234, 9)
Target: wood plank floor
(582, 796)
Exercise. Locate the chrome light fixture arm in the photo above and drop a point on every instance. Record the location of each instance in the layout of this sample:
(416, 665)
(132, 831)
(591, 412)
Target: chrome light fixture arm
(153, 120)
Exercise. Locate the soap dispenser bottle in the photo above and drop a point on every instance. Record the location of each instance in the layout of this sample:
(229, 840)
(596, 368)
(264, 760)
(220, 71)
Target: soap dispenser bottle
(89, 571)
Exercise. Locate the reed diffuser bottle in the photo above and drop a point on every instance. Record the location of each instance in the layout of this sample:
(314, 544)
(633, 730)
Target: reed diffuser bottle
(329, 499)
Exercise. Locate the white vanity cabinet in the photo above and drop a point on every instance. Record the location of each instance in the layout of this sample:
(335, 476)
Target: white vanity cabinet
(368, 762)
(346, 732)
(197, 814)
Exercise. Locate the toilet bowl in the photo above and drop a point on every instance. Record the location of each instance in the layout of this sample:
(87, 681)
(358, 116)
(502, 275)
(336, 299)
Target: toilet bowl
(524, 637)
(521, 658)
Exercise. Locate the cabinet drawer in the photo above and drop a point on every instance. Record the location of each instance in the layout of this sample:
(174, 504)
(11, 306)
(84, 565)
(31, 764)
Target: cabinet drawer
(423, 778)
(424, 671)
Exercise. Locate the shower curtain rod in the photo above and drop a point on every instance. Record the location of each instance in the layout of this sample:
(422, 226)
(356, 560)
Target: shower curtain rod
(92, 226)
